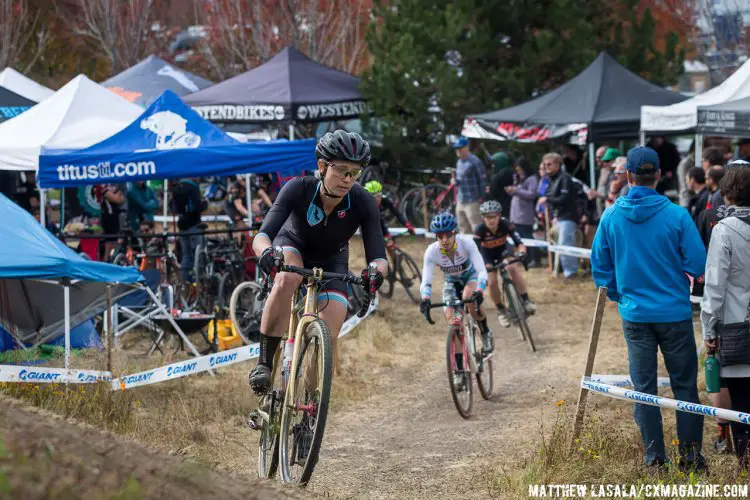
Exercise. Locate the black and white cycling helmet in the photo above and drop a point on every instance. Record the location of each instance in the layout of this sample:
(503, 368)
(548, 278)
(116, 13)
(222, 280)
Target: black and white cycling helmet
(491, 207)
(343, 145)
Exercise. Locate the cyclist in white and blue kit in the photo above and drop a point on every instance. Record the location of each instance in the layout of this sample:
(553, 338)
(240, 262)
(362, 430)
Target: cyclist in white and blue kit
(458, 256)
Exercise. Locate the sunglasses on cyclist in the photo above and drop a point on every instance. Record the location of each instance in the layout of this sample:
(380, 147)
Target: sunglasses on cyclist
(343, 172)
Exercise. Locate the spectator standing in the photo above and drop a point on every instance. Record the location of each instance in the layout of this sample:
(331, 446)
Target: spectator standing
(27, 193)
(618, 185)
(712, 157)
(142, 204)
(472, 181)
(743, 149)
(696, 182)
(502, 178)
(725, 309)
(562, 198)
(188, 205)
(112, 216)
(713, 180)
(522, 214)
(669, 158)
(642, 252)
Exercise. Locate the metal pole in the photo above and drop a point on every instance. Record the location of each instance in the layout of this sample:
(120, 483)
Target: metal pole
(42, 211)
(592, 166)
(698, 150)
(642, 138)
(108, 339)
(66, 312)
(166, 205)
(249, 199)
(62, 208)
(291, 131)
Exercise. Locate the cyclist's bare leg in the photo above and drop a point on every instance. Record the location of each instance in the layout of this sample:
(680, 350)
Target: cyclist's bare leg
(333, 315)
(493, 286)
(469, 289)
(516, 274)
(275, 319)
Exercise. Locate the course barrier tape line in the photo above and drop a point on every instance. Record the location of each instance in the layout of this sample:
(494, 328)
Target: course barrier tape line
(625, 381)
(662, 402)
(216, 360)
(583, 253)
(43, 375)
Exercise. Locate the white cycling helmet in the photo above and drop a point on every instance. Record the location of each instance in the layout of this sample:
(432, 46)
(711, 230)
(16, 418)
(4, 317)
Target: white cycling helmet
(491, 207)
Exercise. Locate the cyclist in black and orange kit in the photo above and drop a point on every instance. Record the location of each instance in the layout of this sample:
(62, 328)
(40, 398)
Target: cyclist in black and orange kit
(375, 188)
(492, 238)
(309, 225)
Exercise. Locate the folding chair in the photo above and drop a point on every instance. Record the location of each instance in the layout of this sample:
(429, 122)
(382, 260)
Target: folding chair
(137, 308)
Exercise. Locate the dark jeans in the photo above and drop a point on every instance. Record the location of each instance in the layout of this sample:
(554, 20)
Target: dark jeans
(739, 392)
(528, 232)
(188, 243)
(677, 345)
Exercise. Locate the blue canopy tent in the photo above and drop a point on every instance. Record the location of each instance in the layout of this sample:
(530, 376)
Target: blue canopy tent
(170, 140)
(35, 266)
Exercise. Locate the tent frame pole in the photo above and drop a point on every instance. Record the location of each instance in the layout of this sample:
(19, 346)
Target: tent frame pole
(698, 150)
(642, 138)
(166, 206)
(66, 302)
(42, 206)
(592, 166)
(249, 201)
(291, 131)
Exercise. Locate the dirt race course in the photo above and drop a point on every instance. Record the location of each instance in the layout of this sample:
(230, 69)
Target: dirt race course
(393, 431)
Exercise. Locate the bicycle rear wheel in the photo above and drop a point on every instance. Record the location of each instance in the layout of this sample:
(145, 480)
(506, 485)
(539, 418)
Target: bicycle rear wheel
(409, 275)
(484, 364)
(303, 420)
(224, 294)
(519, 312)
(459, 377)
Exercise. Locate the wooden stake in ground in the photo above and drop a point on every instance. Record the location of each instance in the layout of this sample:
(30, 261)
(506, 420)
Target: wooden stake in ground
(546, 235)
(108, 340)
(596, 325)
(424, 210)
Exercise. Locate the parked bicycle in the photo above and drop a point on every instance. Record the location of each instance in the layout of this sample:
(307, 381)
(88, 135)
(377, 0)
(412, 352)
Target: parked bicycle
(402, 268)
(514, 306)
(301, 383)
(465, 339)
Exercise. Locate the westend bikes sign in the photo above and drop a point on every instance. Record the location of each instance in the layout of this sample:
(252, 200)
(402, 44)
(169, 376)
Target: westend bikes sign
(264, 113)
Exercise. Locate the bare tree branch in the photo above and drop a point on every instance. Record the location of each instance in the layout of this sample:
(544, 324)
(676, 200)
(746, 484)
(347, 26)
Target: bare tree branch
(18, 29)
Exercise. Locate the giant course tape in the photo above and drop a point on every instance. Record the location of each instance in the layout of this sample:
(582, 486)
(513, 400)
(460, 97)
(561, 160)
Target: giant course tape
(652, 400)
(625, 381)
(14, 373)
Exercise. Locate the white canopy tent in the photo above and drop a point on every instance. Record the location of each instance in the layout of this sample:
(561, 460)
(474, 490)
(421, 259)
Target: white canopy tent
(23, 85)
(683, 116)
(80, 114)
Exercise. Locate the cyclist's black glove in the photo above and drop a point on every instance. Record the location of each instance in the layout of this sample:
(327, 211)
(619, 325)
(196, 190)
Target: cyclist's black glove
(374, 278)
(478, 297)
(271, 260)
(424, 306)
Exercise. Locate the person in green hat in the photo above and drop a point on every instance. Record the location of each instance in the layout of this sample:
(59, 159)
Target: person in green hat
(501, 177)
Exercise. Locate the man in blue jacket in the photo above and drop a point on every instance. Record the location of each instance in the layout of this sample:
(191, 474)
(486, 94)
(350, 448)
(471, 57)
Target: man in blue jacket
(643, 251)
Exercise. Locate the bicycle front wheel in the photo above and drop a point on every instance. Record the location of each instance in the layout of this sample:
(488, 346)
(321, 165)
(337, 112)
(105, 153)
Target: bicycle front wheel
(304, 419)
(519, 312)
(245, 309)
(459, 375)
(483, 363)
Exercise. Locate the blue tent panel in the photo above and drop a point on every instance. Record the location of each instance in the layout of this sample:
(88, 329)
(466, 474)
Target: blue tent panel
(30, 251)
(170, 140)
(83, 336)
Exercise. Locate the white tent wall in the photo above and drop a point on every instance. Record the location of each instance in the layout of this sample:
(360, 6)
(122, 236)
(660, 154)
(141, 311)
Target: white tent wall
(24, 86)
(683, 116)
(80, 114)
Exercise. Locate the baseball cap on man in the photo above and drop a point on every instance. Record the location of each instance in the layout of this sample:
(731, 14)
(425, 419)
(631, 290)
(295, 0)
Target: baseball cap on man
(642, 155)
(461, 142)
(611, 154)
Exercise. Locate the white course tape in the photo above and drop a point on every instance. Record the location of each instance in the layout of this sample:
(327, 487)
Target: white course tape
(216, 360)
(43, 375)
(650, 399)
(624, 380)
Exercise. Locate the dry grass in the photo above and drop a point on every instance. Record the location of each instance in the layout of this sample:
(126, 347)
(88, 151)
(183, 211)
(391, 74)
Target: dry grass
(608, 452)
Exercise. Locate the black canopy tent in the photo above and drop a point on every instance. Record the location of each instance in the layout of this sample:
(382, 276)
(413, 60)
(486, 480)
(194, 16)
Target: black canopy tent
(601, 103)
(12, 104)
(289, 88)
(147, 80)
(730, 119)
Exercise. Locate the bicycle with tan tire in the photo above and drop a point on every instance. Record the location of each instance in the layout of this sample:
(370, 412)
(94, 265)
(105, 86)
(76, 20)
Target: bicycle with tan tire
(291, 416)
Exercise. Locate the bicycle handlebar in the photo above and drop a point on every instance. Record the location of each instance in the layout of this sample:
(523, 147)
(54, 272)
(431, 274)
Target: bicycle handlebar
(455, 303)
(502, 264)
(309, 273)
